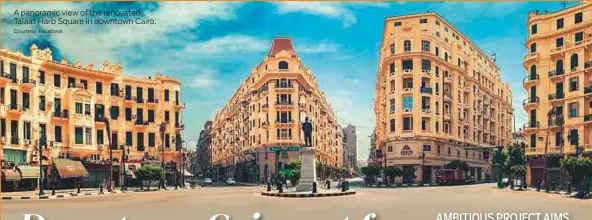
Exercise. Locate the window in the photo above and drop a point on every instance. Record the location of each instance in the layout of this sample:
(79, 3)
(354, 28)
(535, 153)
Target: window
(100, 137)
(446, 29)
(578, 17)
(114, 112)
(99, 87)
(128, 114)
(558, 138)
(559, 66)
(559, 42)
(533, 48)
(533, 29)
(42, 103)
(397, 23)
(58, 133)
(392, 49)
(167, 116)
(437, 22)
(150, 115)
(392, 125)
(407, 123)
(140, 139)
(392, 68)
(573, 109)
(151, 139)
(78, 108)
(392, 106)
(437, 51)
(427, 147)
(560, 23)
(426, 65)
(56, 80)
(424, 124)
(573, 137)
(407, 46)
(408, 102)
(128, 138)
(573, 84)
(27, 130)
(574, 61)
(283, 65)
(78, 135)
(425, 46)
(41, 77)
(533, 71)
(579, 36)
(407, 64)
(26, 98)
(390, 148)
(87, 109)
(88, 136)
(166, 95)
(423, 20)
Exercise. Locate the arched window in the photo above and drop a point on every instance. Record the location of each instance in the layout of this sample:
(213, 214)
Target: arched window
(407, 45)
(559, 66)
(533, 48)
(283, 65)
(532, 70)
(574, 61)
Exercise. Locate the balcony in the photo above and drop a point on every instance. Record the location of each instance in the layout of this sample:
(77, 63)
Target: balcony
(530, 125)
(426, 90)
(426, 110)
(4, 78)
(408, 90)
(179, 126)
(14, 108)
(265, 124)
(139, 100)
(587, 65)
(179, 105)
(531, 101)
(129, 99)
(588, 118)
(447, 98)
(407, 72)
(28, 83)
(588, 90)
(530, 56)
(556, 97)
(426, 71)
(141, 123)
(530, 79)
(284, 103)
(151, 101)
(60, 115)
(556, 74)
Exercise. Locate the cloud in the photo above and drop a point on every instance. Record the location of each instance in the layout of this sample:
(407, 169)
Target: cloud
(204, 80)
(229, 44)
(317, 48)
(333, 10)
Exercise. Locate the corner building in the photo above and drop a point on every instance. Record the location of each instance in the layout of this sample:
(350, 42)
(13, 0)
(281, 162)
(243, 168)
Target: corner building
(265, 114)
(439, 98)
(558, 82)
(66, 103)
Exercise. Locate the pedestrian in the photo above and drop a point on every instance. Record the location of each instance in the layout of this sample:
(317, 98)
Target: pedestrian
(328, 184)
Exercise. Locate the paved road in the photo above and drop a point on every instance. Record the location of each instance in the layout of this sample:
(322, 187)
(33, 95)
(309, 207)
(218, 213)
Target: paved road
(243, 202)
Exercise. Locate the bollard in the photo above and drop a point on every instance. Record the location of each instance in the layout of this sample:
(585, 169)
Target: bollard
(101, 189)
(280, 188)
(78, 188)
(346, 185)
(268, 186)
(343, 186)
(553, 186)
(538, 186)
(314, 187)
(568, 188)
(53, 189)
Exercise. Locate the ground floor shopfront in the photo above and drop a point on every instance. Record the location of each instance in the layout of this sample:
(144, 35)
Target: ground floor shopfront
(427, 156)
(20, 178)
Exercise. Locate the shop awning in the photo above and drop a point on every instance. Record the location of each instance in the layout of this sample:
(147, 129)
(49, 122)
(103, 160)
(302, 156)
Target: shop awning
(11, 175)
(29, 172)
(69, 168)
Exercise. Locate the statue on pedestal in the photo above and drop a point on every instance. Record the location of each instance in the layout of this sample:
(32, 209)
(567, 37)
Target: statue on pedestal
(307, 129)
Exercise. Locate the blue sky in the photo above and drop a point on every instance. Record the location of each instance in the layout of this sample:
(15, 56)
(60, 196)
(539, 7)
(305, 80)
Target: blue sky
(211, 47)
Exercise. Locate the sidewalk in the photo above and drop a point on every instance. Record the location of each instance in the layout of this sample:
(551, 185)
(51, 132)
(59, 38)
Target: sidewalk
(66, 193)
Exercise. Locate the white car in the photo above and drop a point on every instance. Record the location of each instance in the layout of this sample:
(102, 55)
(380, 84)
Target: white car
(230, 181)
(208, 181)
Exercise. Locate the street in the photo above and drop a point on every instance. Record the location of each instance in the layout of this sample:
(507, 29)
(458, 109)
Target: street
(242, 202)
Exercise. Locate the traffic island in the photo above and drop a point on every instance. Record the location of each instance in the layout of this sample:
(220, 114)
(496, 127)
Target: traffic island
(308, 194)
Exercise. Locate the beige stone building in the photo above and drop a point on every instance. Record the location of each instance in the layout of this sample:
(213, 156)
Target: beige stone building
(265, 114)
(559, 84)
(438, 98)
(64, 103)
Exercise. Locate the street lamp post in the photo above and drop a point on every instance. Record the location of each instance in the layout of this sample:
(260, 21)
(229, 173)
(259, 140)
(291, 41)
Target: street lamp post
(123, 160)
(110, 185)
(162, 130)
(40, 145)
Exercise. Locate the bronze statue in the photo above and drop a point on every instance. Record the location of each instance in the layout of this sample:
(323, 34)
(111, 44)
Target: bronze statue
(307, 129)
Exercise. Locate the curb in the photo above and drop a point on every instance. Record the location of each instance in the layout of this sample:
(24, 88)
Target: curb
(402, 185)
(248, 184)
(69, 195)
(307, 195)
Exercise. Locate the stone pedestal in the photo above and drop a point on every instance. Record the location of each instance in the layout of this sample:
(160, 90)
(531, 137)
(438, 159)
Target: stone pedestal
(308, 173)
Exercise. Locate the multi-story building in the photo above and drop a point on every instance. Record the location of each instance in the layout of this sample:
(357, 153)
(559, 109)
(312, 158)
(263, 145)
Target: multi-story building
(350, 148)
(65, 104)
(259, 127)
(559, 87)
(439, 98)
(204, 150)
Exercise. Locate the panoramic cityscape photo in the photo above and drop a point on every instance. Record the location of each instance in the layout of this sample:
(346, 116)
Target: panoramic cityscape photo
(296, 110)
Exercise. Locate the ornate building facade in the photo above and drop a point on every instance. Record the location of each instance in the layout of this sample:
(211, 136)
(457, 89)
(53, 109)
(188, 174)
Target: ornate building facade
(559, 87)
(65, 104)
(258, 131)
(439, 98)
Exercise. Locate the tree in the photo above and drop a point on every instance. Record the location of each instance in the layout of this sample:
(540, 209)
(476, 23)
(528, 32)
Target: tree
(515, 162)
(371, 170)
(518, 171)
(409, 174)
(148, 173)
(392, 172)
(457, 164)
(294, 176)
(578, 168)
(499, 160)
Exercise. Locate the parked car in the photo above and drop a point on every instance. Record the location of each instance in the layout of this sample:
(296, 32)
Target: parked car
(230, 181)
(208, 181)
